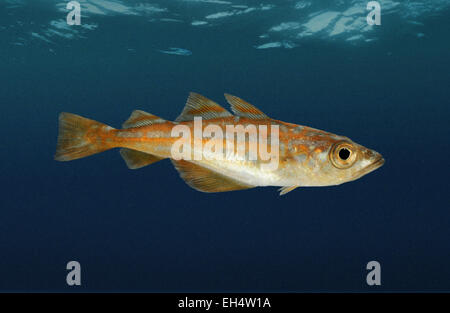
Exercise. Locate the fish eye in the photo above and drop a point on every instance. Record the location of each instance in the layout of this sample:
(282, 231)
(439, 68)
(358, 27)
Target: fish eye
(343, 154)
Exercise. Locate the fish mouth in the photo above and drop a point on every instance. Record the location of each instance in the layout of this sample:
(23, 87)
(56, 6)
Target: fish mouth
(370, 168)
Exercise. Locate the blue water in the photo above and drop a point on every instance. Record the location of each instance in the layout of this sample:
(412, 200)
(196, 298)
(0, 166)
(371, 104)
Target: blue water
(146, 230)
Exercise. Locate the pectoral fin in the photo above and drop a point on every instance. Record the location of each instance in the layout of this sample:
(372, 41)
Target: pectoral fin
(286, 189)
(205, 180)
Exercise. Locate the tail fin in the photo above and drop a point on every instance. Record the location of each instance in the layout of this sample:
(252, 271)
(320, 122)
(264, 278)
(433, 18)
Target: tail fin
(73, 139)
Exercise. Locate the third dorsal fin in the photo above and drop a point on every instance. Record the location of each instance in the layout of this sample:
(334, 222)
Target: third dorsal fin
(244, 109)
(140, 118)
(197, 105)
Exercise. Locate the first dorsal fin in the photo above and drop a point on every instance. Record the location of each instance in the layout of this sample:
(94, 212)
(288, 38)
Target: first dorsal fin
(197, 105)
(205, 180)
(244, 109)
(140, 118)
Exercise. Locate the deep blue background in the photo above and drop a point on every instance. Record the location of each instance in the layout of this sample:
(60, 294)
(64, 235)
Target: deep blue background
(146, 230)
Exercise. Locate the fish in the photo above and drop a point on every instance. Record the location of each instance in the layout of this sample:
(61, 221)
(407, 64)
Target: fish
(300, 156)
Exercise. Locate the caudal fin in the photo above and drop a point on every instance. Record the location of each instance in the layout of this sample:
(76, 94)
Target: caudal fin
(73, 139)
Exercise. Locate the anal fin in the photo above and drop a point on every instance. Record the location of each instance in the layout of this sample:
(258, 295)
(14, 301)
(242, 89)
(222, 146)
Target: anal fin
(137, 159)
(205, 180)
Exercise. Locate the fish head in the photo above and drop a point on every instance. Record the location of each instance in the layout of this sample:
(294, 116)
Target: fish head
(338, 160)
(348, 161)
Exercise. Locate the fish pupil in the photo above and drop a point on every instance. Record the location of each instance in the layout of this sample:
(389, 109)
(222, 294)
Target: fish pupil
(344, 153)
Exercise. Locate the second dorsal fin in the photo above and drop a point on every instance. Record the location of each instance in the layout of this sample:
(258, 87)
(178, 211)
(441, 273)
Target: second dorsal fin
(140, 118)
(197, 105)
(244, 109)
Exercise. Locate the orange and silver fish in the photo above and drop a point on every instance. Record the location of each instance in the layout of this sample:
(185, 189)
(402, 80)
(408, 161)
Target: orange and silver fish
(306, 156)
